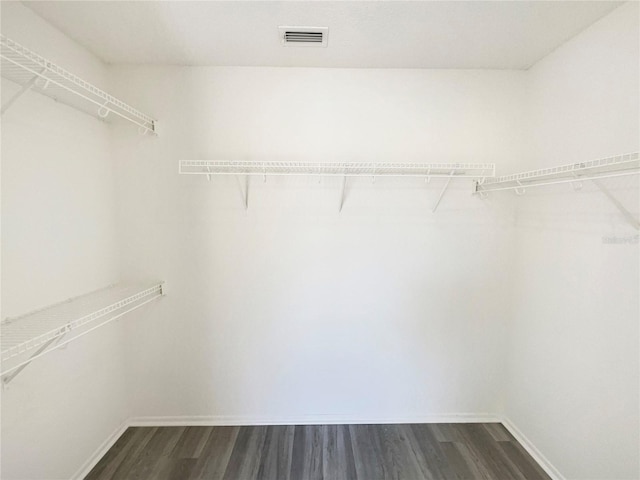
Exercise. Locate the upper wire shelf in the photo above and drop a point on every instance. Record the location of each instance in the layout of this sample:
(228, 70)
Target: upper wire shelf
(31, 71)
(615, 166)
(24, 338)
(342, 169)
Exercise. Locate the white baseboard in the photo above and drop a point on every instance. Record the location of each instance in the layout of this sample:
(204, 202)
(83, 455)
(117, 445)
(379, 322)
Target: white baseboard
(329, 419)
(546, 465)
(84, 470)
(227, 420)
(319, 419)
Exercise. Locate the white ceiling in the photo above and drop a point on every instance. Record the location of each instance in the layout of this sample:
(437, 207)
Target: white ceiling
(378, 34)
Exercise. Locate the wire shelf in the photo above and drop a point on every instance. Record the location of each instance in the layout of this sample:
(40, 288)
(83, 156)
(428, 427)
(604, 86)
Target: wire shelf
(31, 71)
(344, 169)
(616, 166)
(21, 336)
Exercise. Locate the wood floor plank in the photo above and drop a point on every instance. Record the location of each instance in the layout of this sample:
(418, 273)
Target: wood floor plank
(275, 463)
(433, 456)
(160, 445)
(497, 432)
(443, 432)
(367, 452)
(457, 465)
(525, 455)
(474, 463)
(188, 442)
(425, 462)
(400, 461)
(168, 468)
(488, 452)
(114, 456)
(214, 458)
(338, 462)
(247, 452)
(203, 441)
(306, 458)
(523, 461)
(143, 437)
(172, 436)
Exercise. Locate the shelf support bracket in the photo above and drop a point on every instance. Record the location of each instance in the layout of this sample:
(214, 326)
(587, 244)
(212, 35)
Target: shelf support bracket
(444, 189)
(631, 220)
(244, 190)
(25, 88)
(478, 188)
(9, 377)
(343, 192)
(577, 185)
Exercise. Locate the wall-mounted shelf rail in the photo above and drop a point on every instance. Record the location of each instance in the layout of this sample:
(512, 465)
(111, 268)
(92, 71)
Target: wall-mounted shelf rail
(574, 173)
(619, 165)
(33, 72)
(30, 336)
(478, 171)
(344, 169)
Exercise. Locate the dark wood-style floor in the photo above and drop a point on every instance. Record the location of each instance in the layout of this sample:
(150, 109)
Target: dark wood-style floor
(328, 452)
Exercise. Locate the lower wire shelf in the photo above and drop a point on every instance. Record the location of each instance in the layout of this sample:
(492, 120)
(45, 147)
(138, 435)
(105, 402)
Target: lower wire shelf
(30, 336)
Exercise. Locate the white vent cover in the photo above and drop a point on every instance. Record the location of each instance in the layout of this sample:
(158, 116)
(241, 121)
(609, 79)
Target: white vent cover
(304, 36)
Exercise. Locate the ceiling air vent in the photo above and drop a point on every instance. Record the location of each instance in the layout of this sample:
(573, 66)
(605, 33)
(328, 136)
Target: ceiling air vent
(304, 36)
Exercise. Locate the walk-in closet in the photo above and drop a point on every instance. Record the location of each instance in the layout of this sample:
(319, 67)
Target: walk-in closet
(320, 240)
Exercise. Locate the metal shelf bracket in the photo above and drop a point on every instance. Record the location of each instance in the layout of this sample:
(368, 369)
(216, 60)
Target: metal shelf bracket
(519, 190)
(10, 376)
(343, 192)
(628, 216)
(444, 189)
(244, 190)
(25, 88)
(577, 185)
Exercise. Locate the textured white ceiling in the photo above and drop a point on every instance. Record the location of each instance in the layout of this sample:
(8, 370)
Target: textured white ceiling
(379, 34)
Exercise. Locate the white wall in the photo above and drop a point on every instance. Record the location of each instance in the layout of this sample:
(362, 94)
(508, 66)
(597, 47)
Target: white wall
(573, 383)
(58, 241)
(291, 310)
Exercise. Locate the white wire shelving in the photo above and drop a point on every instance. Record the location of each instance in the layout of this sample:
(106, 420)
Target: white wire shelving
(574, 173)
(479, 171)
(33, 72)
(30, 336)
(616, 166)
(348, 169)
